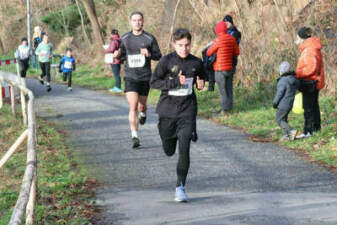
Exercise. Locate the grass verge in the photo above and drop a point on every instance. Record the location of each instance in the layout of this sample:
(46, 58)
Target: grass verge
(63, 186)
(252, 113)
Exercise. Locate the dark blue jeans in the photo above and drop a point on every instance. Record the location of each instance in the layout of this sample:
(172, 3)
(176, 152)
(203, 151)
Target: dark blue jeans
(116, 69)
(34, 61)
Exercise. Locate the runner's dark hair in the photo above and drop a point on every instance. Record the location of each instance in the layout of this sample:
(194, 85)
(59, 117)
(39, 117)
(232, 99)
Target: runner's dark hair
(181, 33)
(24, 39)
(69, 50)
(137, 13)
(114, 31)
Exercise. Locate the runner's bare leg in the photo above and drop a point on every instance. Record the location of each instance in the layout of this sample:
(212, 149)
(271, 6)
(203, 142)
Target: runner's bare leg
(133, 98)
(142, 104)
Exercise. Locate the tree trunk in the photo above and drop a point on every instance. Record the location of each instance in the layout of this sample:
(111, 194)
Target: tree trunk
(172, 26)
(89, 6)
(82, 23)
(2, 49)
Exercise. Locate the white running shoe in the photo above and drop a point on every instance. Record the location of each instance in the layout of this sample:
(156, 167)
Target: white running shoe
(307, 135)
(180, 195)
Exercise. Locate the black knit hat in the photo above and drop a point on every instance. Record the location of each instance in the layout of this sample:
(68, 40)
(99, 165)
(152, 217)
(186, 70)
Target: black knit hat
(228, 18)
(305, 32)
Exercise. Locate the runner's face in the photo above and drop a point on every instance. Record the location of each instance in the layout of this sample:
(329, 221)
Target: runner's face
(182, 47)
(69, 53)
(136, 22)
(25, 43)
(45, 39)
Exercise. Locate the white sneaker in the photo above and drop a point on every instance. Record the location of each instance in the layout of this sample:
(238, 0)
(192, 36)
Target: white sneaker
(180, 195)
(307, 135)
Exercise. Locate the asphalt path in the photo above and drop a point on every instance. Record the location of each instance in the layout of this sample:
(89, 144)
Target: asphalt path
(232, 181)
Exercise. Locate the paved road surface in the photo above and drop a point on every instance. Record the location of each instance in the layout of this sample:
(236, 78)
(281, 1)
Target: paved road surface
(232, 180)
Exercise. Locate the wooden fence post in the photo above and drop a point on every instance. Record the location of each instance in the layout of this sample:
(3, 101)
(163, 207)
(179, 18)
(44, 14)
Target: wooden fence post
(13, 99)
(24, 107)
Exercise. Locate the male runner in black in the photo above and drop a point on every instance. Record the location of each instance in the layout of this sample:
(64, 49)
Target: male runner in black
(175, 75)
(138, 48)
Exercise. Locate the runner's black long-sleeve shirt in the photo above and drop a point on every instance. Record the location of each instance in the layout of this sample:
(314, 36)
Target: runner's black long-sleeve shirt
(130, 52)
(175, 99)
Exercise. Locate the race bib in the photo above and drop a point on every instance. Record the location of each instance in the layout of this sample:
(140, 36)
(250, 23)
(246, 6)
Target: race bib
(183, 90)
(136, 61)
(43, 53)
(68, 65)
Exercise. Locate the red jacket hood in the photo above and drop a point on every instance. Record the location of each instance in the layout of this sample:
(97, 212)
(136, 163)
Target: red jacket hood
(115, 37)
(220, 28)
(312, 42)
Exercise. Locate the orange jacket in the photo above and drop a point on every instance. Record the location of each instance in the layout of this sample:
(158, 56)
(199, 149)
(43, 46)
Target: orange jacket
(310, 64)
(225, 47)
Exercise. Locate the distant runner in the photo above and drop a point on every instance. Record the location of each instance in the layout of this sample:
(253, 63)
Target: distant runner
(138, 48)
(67, 66)
(45, 53)
(22, 54)
(175, 75)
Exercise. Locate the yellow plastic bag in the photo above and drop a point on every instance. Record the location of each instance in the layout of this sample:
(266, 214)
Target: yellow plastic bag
(298, 104)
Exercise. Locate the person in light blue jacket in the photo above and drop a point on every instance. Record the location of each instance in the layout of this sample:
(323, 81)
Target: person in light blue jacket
(67, 66)
(45, 53)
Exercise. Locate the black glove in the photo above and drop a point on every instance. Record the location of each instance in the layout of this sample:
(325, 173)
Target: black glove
(274, 106)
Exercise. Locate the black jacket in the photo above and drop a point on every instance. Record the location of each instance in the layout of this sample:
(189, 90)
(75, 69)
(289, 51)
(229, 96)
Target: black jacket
(237, 35)
(286, 90)
(131, 45)
(165, 78)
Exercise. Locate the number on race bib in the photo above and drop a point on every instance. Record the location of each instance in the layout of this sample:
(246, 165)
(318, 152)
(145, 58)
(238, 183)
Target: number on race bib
(68, 65)
(136, 61)
(183, 90)
(43, 53)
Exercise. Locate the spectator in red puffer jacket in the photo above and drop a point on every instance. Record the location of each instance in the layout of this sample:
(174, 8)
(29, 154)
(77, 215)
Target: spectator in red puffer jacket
(226, 49)
(115, 66)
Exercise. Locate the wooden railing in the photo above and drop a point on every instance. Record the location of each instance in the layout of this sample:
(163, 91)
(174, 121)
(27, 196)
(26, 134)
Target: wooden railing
(26, 200)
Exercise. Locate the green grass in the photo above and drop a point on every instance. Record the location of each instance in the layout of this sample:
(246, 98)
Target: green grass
(252, 113)
(63, 186)
(9, 55)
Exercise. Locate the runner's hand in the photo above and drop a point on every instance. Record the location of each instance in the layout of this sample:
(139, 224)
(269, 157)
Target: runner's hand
(145, 52)
(182, 78)
(200, 83)
(117, 53)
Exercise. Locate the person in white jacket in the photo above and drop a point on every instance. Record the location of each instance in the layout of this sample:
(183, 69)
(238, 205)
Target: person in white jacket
(22, 55)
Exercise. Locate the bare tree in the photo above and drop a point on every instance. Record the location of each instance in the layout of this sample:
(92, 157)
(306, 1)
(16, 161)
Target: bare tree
(90, 8)
(173, 24)
(82, 23)
(2, 49)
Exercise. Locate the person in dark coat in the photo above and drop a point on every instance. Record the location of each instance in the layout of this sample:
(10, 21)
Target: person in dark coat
(233, 30)
(284, 99)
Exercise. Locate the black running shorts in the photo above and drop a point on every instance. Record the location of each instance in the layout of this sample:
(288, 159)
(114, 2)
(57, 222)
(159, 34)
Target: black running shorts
(141, 87)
